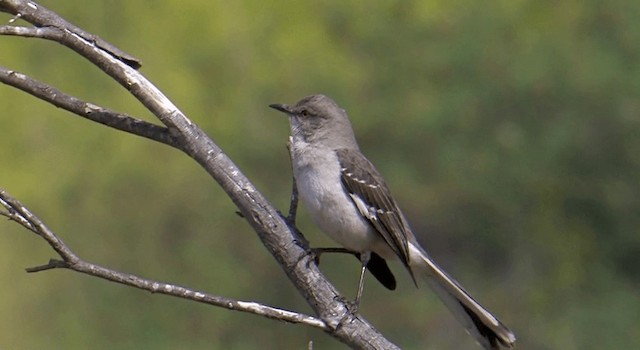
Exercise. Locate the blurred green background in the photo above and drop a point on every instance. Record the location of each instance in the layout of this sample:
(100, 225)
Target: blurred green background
(509, 132)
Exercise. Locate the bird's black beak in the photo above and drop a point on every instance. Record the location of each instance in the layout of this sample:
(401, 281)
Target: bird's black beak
(281, 107)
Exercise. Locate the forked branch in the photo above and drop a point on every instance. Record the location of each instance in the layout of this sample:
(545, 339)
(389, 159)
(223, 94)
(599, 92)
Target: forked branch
(277, 233)
(16, 211)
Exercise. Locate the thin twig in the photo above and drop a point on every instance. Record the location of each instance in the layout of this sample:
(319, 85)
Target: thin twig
(48, 20)
(19, 213)
(293, 206)
(86, 110)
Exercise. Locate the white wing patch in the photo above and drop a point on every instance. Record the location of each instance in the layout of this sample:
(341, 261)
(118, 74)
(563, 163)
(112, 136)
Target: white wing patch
(370, 212)
(367, 212)
(360, 181)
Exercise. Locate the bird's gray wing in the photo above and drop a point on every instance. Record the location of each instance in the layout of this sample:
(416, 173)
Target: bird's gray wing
(371, 196)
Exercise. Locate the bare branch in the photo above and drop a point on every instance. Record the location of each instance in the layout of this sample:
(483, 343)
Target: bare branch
(22, 215)
(52, 264)
(42, 17)
(29, 32)
(84, 109)
(12, 214)
(281, 239)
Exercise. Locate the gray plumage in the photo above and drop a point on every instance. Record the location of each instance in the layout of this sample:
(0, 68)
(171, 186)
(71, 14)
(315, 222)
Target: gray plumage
(349, 200)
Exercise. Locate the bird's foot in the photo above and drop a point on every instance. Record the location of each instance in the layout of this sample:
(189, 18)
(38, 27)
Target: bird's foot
(317, 252)
(351, 305)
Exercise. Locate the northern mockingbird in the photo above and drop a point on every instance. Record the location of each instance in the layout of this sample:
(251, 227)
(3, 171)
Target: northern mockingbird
(349, 200)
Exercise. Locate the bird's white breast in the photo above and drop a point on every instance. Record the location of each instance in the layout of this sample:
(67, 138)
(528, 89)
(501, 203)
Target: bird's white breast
(317, 172)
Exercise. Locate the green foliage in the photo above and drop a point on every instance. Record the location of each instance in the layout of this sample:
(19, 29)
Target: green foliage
(508, 130)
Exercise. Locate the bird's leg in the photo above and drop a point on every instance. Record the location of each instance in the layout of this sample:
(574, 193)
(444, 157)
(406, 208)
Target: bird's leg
(364, 258)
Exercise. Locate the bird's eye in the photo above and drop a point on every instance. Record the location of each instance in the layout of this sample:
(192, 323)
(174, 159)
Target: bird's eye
(304, 113)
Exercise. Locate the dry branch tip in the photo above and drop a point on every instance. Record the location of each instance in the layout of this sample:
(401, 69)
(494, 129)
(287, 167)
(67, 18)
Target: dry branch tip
(52, 264)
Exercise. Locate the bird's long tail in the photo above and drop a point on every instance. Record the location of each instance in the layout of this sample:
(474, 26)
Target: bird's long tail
(479, 322)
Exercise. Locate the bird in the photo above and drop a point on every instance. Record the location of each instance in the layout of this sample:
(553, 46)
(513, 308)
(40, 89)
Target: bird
(349, 200)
